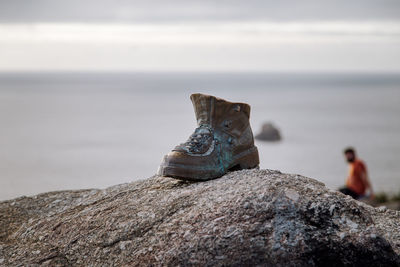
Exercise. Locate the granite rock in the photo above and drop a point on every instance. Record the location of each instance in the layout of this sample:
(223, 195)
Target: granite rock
(249, 217)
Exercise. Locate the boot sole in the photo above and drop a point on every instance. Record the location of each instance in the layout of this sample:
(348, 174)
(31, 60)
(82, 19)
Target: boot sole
(245, 160)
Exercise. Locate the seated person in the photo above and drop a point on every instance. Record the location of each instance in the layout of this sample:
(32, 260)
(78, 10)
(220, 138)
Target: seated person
(357, 183)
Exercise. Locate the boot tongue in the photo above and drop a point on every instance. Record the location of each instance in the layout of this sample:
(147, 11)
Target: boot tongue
(202, 107)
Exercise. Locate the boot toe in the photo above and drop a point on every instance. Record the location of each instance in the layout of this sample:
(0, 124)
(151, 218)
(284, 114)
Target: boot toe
(183, 166)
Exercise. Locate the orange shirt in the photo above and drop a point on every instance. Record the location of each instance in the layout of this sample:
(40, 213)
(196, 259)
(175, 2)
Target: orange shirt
(354, 180)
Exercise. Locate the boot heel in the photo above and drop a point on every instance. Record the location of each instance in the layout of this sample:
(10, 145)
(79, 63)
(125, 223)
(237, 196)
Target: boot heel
(250, 160)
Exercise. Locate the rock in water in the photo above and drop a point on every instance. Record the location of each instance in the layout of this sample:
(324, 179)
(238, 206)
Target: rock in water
(268, 133)
(250, 217)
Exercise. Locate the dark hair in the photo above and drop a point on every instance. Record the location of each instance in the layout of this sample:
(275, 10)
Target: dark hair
(349, 150)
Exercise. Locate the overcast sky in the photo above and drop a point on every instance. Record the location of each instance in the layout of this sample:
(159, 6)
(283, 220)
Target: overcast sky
(175, 35)
(203, 10)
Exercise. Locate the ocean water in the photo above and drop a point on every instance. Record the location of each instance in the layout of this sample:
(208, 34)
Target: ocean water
(74, 130)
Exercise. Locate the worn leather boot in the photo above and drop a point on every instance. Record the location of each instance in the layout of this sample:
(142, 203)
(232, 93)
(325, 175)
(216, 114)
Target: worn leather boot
(222, 141)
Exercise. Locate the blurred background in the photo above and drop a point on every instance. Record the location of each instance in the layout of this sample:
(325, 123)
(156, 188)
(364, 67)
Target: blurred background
(94, 93)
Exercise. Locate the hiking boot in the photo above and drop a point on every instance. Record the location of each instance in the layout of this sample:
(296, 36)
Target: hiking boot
(222, 141)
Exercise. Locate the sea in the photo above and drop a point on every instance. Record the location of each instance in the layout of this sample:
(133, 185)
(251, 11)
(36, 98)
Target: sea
(62, 131)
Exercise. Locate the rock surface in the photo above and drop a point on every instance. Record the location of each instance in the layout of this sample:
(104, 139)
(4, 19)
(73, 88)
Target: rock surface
(268, 133)
(252, 217)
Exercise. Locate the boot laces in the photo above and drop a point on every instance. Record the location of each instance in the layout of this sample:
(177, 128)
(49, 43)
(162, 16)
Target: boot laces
(199, 140)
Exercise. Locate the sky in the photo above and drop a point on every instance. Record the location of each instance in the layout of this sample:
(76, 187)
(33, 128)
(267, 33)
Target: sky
(175, 35)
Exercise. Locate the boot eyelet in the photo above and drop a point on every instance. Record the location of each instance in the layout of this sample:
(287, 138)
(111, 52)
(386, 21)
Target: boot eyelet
(227, 123)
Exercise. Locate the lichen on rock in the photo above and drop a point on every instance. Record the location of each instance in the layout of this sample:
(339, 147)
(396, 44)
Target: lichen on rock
(249, 217)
